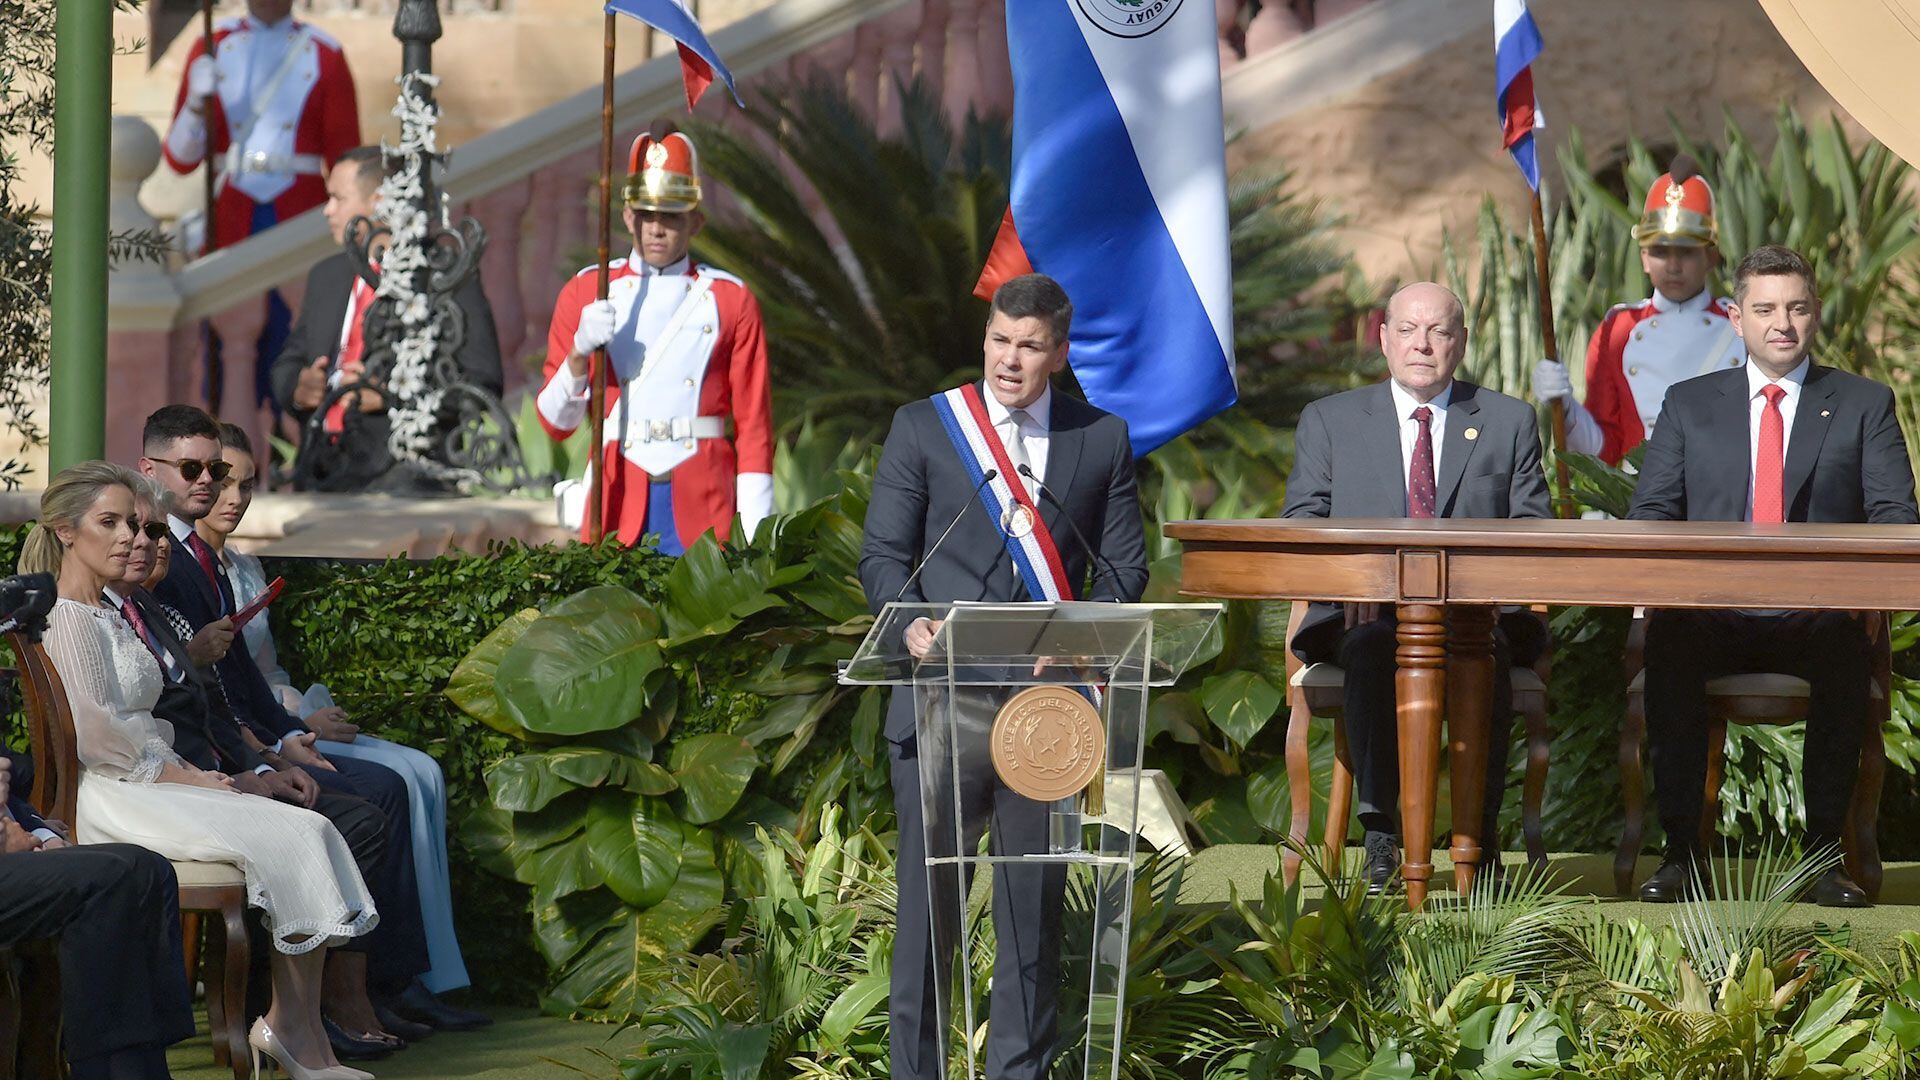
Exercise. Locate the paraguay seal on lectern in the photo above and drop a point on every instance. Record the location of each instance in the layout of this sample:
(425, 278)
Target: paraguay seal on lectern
(1048, 743)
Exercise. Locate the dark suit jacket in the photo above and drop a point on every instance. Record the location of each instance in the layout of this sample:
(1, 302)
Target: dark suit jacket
(1346, 463)
(921, 486)
(186, 590)
(316, 333)
(1846, 458)
(205, 731)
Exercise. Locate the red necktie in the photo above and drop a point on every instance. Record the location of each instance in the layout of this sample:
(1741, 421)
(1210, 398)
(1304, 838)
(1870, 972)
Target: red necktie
(139, 626)
(1768, 463)
(204, 556)
(1420, 487)
(351, 352)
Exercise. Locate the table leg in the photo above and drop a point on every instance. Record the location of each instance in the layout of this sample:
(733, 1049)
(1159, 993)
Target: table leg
(1420, 691)
(1469, 713)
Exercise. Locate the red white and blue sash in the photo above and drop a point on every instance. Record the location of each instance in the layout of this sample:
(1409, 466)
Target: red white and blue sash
(964, 414)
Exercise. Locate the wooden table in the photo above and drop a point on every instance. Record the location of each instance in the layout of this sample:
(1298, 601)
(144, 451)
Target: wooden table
(1447, 577)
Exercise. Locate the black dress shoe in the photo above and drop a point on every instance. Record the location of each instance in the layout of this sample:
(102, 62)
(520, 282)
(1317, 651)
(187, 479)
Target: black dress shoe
(1675, 881)
(1836, 889)
(407, 1030)
(1383, 860)
(348, 1047)
(418, 1004)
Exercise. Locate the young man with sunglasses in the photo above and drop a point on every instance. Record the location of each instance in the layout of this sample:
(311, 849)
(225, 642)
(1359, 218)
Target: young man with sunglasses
(181, 451)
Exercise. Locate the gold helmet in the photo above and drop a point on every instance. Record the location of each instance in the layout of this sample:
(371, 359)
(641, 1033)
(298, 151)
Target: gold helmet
(663, 174)
(1679, 210)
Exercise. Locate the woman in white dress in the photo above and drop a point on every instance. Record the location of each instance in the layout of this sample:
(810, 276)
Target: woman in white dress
(135, 789)
(426, 786)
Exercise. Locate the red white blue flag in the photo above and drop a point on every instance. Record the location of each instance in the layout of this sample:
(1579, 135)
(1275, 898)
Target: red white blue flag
(698, 62)
(1516, 45)
(1120, 193)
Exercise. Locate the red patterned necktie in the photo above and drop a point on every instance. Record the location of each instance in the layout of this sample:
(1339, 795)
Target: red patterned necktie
(1768, 464)
(1420, 486)
(204, 556)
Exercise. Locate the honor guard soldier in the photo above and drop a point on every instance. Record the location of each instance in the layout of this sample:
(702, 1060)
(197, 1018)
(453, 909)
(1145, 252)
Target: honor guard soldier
(1640, 349)
(273, 107)
(688, 439)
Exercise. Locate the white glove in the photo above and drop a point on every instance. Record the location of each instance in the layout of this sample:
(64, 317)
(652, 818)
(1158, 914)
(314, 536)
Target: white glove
(1550, 381)
(201, 79)
(596, 327)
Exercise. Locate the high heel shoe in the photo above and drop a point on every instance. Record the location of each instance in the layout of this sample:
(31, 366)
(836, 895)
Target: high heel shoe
(263, 1041)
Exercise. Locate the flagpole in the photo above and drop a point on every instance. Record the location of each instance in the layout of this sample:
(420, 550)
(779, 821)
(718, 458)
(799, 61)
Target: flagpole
(598, 400)
(1551, 347)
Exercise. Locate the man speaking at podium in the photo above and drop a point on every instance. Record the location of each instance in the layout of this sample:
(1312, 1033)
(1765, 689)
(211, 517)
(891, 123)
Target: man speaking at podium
(999, 491)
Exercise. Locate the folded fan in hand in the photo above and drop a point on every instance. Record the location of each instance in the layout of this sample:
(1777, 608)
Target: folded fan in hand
(260, 603)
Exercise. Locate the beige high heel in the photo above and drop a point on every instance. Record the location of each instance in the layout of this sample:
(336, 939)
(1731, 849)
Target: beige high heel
(263, 1041)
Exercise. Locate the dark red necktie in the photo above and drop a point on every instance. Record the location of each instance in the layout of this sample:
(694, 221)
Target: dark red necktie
(204, 556)
(1769, 482)
(139, 626)
(1420, 486)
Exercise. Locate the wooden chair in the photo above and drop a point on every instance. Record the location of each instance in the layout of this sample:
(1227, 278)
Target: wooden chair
(1760, 698)
(1320, 690)
(217, 888)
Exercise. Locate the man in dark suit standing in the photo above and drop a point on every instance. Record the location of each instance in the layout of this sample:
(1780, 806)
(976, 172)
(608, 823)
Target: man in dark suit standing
(1421, 445)
(924, 487)
(325, 349)
(1778, 439)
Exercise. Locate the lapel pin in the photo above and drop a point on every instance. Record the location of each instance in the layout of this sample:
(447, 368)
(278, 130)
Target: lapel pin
(1472, 433)
(1826, 412)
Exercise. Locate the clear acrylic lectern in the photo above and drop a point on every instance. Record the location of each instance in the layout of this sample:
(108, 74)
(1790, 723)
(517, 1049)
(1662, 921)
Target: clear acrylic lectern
(1023, 713)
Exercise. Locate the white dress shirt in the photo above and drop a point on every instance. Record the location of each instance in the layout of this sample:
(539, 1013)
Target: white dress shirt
(1757, 380)
(1033, 435)
(1403, 406)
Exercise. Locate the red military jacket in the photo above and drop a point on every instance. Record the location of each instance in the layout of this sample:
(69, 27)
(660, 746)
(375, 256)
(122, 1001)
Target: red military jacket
(690, 344)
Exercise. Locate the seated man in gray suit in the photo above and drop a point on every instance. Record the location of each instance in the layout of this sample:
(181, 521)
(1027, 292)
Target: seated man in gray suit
(1421, 445)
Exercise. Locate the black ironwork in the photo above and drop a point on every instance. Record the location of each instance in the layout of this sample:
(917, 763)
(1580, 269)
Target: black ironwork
(473, 445)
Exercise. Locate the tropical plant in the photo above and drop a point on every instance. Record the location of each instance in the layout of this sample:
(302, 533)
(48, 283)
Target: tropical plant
(801, 987)
(865, 263)
(646, 722)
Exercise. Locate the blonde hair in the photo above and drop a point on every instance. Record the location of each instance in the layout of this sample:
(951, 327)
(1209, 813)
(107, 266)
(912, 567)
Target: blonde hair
(71, 494)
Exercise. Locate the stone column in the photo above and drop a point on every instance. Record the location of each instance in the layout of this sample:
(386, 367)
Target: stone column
(142, 300)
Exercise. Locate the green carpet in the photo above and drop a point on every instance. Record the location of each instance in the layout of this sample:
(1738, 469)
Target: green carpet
(1216, 872)
(521, 1045)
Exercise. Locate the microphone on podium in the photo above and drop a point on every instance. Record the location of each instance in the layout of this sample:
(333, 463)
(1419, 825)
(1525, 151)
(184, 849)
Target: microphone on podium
(972, 498)
(1101, 562)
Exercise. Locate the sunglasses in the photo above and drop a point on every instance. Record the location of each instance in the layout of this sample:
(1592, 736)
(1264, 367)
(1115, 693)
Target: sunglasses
(191, 468)
(155, 530)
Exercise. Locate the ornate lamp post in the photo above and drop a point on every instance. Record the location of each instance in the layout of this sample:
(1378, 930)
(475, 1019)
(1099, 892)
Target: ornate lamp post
(457, 434)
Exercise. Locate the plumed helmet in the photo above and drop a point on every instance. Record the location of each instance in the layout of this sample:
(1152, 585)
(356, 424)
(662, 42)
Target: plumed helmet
(1679, 210)
(663, 174)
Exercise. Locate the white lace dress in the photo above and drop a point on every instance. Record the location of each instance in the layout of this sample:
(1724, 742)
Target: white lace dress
(299, 871)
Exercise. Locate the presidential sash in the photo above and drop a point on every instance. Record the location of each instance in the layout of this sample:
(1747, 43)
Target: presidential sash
(1037, 558)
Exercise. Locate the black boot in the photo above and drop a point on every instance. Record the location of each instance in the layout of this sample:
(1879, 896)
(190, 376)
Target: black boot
(1682, 876)
(1836, 889)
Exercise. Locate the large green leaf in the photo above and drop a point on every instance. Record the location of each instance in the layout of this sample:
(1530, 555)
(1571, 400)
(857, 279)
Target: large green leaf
(1240, 703)
(854, 1005)
(471, 686)
(556, 870)
(623, 958)
(705, 597)
(713, 771)
(585, 667)
(635, 845)
(524, 783)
